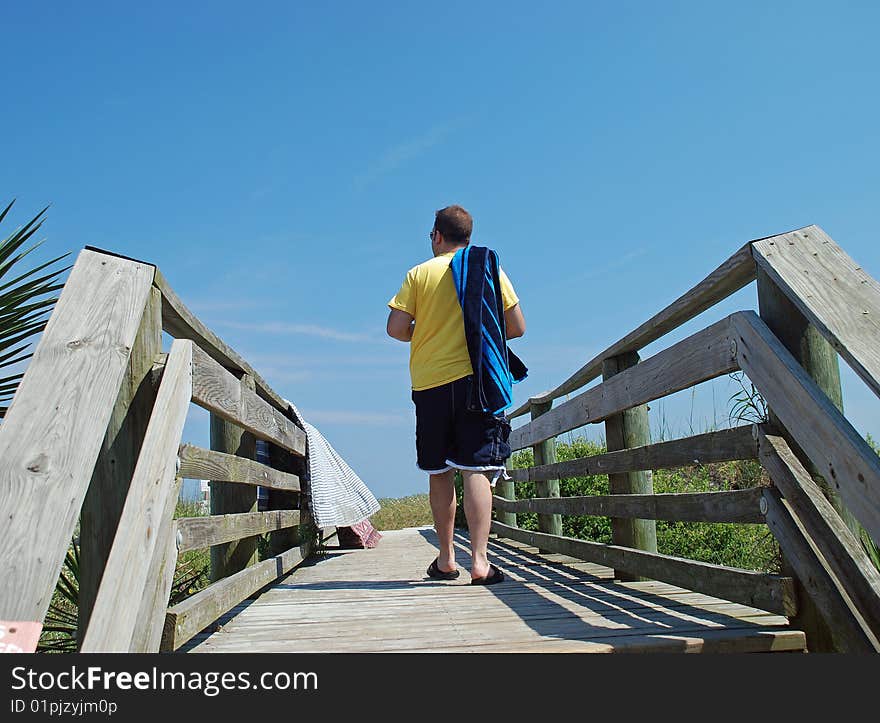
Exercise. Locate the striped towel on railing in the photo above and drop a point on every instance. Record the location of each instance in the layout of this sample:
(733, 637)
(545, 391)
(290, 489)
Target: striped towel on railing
(475, 272)
(337, 496)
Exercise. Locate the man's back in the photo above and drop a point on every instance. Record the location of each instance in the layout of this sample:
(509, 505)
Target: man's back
(438, 350)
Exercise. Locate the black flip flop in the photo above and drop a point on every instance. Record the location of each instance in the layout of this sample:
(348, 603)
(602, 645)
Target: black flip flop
(438, 574)
(495, 576)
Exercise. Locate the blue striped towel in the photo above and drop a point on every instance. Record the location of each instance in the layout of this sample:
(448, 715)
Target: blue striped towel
(475, 272)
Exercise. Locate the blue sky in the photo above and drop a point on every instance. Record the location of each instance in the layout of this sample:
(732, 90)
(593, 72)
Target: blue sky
(281, 163)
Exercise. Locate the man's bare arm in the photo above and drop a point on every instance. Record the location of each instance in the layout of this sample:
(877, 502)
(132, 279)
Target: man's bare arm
(400, 325)
(515, 322)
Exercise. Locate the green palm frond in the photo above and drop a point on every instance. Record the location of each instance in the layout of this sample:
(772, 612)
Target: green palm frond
(26, 299)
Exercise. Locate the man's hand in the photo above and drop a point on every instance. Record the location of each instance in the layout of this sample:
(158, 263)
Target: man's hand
(514, 321)
(400, 325)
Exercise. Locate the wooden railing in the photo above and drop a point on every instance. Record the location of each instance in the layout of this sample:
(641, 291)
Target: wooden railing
(815, 303)
(93, 436)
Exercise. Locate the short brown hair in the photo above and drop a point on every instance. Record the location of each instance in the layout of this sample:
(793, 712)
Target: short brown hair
(455, 224)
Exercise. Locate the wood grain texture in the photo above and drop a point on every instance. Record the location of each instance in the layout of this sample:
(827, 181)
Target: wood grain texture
(761, 590)
(838, 297)
(221, 393)
(230, 498)
(114, 616)
(729, 277)
(839, 452)
(544, 453)
(845, 557)
(704, 355)
(379, 600)
(721, 446)
(115, 465)
(197, 612)
(160, 578)
(198, 463)
(848, 630)
(201, 532)
(181, 323)
(55, 426)
(728, 506)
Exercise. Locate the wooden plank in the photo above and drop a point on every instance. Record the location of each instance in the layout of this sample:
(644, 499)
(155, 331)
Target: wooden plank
(721, 446)
(197, 612)
(544, 453)
(220, 392)
(114, 468)
(849, 631)
(761, 590)
(702, 356)
(125, 576)
(201, 532)
(844, 554)
(54, 428)
(728, 506)
(629, 428)
(230, 498)
(728, 278)
(160, 578)
(838, 297)
(819, 428)
(198, 463)
(181, 323)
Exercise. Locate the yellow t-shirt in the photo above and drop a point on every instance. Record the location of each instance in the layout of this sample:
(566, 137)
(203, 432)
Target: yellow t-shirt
(438, 351)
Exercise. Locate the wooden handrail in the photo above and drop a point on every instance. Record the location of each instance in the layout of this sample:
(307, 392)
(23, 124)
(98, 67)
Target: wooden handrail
(728, 278)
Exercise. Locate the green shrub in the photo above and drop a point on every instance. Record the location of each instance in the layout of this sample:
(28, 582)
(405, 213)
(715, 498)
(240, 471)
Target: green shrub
(737, 545)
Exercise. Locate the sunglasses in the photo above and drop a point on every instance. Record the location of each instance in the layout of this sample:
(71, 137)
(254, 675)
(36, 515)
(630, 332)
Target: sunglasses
(431, 235)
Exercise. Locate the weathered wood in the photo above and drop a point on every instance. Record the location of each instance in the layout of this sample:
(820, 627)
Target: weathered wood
(721, 446)
(728, 278)
(221, 393)
(114, 468)
(544, 453)
(125, 576)
(160, 578)
(197, 612)
(630, 428)
(201, 532)
(727, 506)
(281, 459)
(849, 632)
(53, 431)
(506, 488)
(181, 323)
(832, 291)
(842, 551)
(818, 359)
(198, 463)
(702, 356)
(226, 498)
(761, 590)
(818, 427)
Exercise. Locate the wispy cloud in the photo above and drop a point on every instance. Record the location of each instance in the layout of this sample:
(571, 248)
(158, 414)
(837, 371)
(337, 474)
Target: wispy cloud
(342, 416)
(404, 152)
(279, 327)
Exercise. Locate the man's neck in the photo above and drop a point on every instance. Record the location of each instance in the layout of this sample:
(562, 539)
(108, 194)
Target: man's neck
(448, 248)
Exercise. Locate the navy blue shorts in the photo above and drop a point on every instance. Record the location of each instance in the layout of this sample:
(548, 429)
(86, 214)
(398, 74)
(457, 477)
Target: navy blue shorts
(451, 436)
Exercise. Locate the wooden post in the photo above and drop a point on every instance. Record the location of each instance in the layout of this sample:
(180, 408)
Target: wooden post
(819, 360)
(112, 474)
(506, 488)
(229, 497)
(282, 540)
(545, 453)
(629, 429)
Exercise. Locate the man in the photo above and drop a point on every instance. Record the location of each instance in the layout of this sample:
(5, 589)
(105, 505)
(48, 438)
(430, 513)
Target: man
(449, 434)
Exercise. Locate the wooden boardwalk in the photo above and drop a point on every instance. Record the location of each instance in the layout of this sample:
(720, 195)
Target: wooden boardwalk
(380, 600)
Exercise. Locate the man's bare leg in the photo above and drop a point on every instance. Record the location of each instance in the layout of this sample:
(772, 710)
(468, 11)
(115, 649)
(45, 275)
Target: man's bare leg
(442, 497)
(478, 510)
